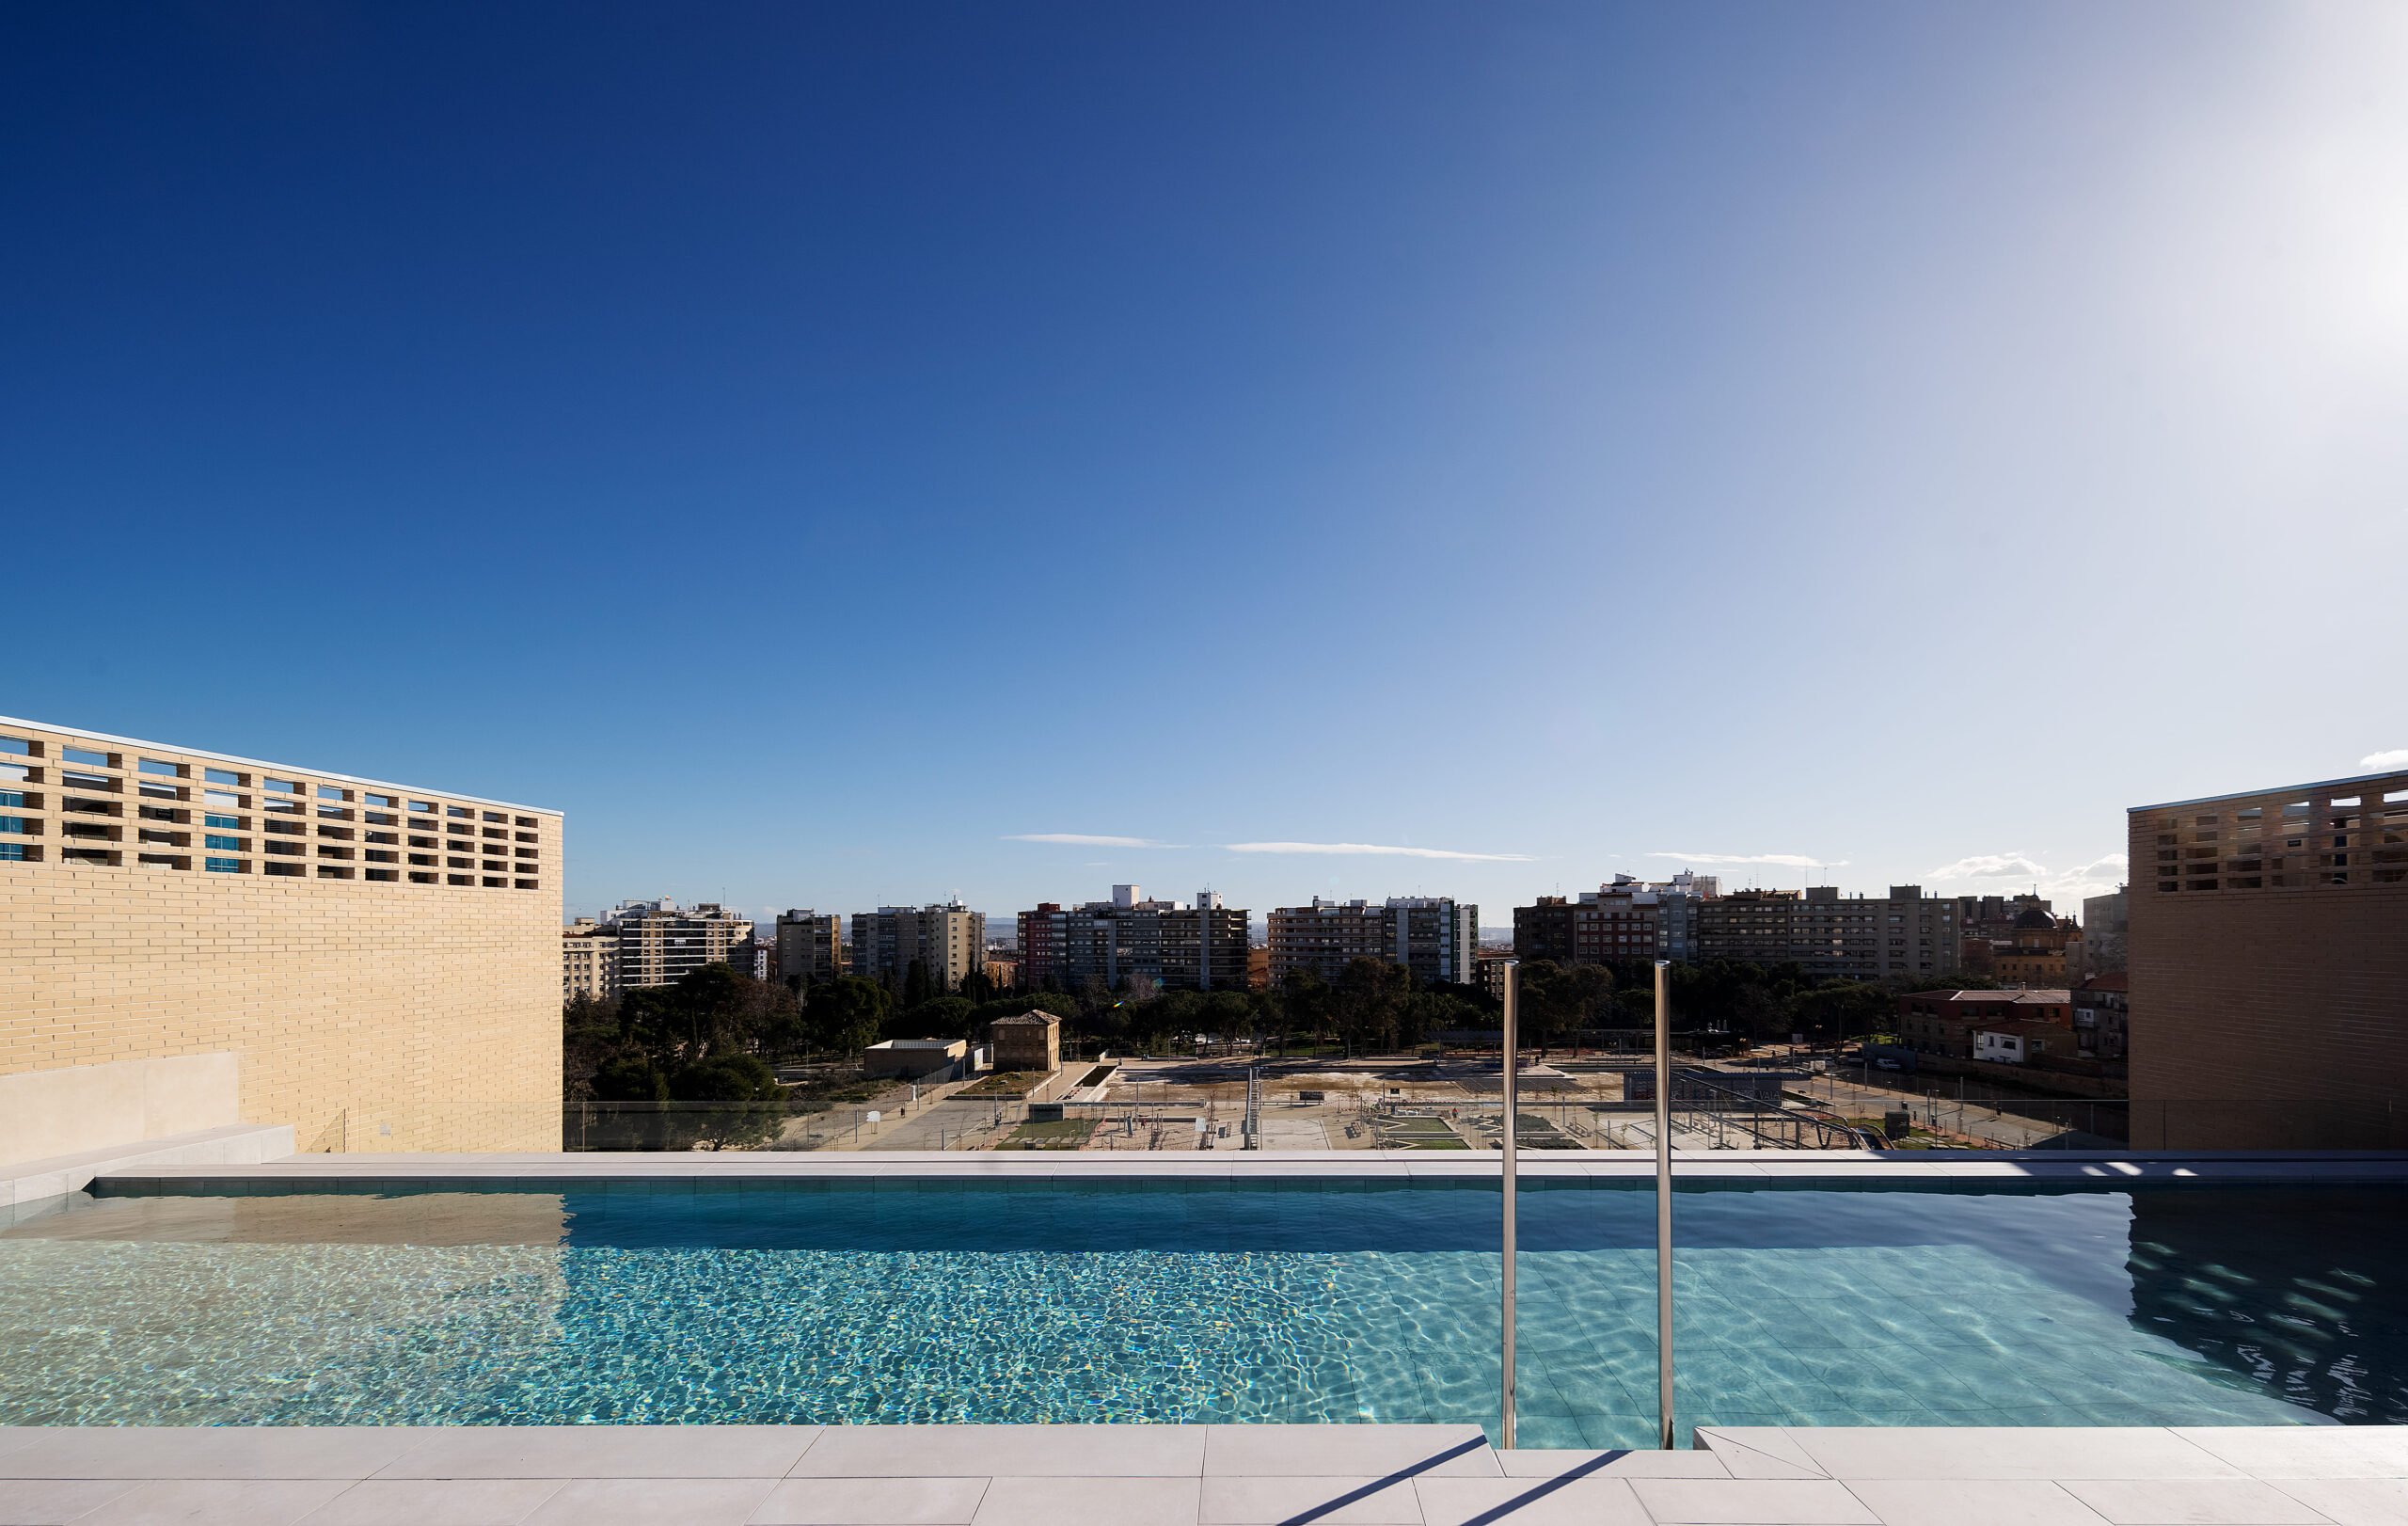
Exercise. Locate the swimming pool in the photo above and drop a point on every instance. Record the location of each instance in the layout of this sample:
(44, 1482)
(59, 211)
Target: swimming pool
(1317, 1300)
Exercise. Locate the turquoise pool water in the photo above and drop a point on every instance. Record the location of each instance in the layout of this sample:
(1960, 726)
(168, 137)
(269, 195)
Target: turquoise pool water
(1322, 1301)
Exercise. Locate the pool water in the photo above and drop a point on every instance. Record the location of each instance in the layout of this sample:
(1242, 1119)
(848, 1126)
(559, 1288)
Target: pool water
(1322, 1300)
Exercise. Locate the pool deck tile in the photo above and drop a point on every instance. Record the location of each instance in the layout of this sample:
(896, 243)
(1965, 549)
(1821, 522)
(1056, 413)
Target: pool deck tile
(653, 1502)
(1217, 1475)
(1985, 1502)
(1024, 1451)
(1336, 1501)
(1968, 1451)
(1090, 1502)
(2304, 1451)
(1530, 1501)
(603, 1452)
(48, 1501)
(452, 1502)
(1758, 1452)
(2182, 1502)
(2353, 1502)
(1349, 1451)
(1753, 1502)
(206, 1451)
(214, 1502)
(872, 1501)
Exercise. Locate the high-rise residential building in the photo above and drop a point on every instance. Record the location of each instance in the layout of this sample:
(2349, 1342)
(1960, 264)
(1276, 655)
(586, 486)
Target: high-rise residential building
(2269, 967)
(1677, 901)
(811, 946)
(372, 964)
(2106, 921)
(1542, 931)
(1201, 946)
(1616, 921)
(1756, 926)
(1845, 937)
(1436, 937)
(948, 940)
(588, 960)
(660, 943)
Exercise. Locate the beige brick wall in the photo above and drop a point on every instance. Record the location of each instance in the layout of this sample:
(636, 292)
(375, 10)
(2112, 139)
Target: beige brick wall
(368, 1014)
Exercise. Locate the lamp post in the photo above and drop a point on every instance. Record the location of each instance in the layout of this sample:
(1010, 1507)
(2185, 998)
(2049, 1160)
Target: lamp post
(1513, 1043)
(1663, 1202)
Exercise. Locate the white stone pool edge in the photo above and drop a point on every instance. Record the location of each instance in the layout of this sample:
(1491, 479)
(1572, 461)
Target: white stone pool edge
(907, 1169)
(1203, 1475)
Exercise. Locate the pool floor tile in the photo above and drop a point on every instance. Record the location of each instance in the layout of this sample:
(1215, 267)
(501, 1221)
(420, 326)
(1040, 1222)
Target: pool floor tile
(1751, 1501)
(2192, 1502)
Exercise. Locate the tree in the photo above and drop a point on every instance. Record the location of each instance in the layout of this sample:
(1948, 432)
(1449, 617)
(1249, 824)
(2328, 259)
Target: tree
(848, 1014)
(1368, 1001)
(916, 984)
(1556, 999)
(939, 1017)
(739, 1101)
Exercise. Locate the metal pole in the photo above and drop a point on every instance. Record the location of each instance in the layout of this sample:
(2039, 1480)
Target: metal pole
(1663, 1202)
(1513, 1043)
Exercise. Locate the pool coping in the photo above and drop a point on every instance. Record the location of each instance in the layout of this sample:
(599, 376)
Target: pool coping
(1188, 1476)
(914, 1170)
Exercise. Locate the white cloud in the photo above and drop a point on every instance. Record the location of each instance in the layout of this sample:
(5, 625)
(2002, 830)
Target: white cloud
(2396, 758)
(1371, 848)
(1794, 861)
(2008, 866)
(1083, 839)
(2096, 878)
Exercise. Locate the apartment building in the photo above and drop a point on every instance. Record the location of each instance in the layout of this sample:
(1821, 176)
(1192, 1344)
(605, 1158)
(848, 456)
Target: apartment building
(1616, 921)
(1753, 925)
(2268, 941)
(2102, 1015)
(949, 941)
(1677, 901)
(810, 945)
(1437, 938)
(1200, 946)
(660, 943)
(2106, 923)
(589, 959)
(369, 963)
(1949, 1022)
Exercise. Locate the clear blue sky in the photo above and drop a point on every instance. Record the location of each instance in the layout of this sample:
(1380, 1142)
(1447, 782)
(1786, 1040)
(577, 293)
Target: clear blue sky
(819, 446)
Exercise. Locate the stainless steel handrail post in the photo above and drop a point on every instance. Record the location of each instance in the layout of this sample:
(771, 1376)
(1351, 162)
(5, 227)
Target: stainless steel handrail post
(1512, 1044)
(1663, 1202)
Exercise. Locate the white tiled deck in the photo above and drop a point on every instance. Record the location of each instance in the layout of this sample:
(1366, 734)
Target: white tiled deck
(1203, 1475)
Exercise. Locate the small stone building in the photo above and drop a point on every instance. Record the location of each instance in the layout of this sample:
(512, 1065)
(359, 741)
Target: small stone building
(1031, 1041)
(914, 1059)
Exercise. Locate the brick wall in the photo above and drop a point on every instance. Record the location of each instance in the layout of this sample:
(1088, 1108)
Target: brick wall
(2267, 1014)
(355, 1007)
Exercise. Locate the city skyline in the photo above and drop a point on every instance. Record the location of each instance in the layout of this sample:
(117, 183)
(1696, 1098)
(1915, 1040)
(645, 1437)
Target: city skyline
(819, 452)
